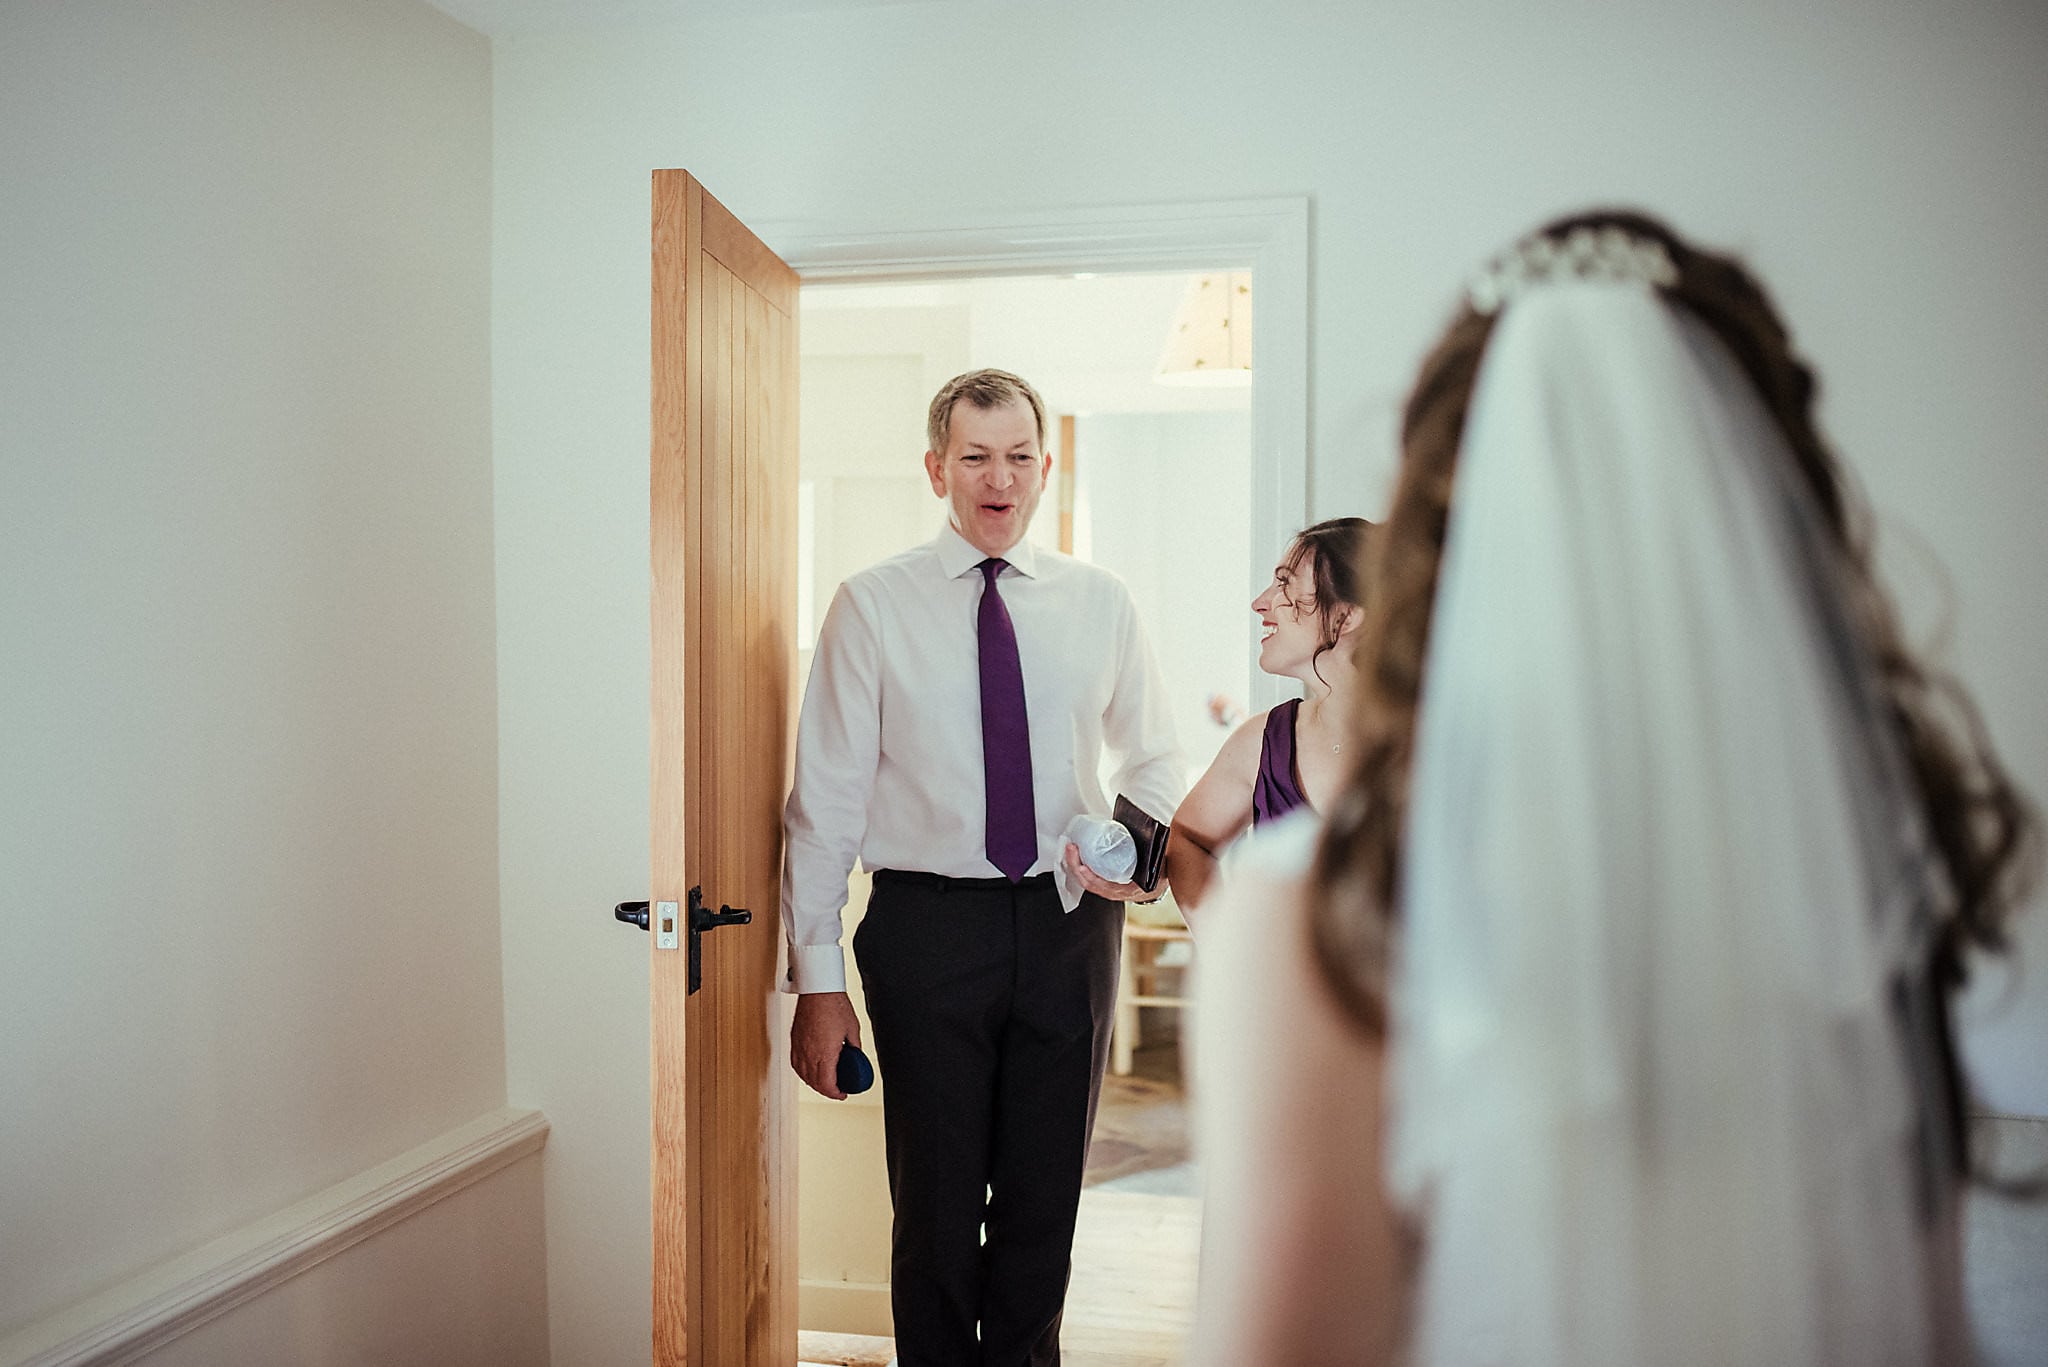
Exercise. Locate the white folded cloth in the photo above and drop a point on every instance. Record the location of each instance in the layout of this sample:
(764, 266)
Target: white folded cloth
(1105, 846)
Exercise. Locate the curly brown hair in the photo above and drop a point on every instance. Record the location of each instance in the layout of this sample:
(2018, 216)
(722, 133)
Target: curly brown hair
(1336, 550)
(1985, 834)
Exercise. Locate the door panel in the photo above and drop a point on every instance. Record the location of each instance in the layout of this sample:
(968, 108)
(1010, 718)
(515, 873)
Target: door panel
(723, 498)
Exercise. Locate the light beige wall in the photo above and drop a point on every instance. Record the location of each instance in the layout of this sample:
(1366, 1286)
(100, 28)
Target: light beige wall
(1881, 168)
(843, 1212)
(461, 1284)
(248, 786)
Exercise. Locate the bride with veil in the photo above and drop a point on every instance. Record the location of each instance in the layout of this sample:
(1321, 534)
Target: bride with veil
(1604, 1019)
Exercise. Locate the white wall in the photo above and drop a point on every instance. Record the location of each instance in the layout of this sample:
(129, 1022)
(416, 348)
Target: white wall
(248, 779)
(1165, 496)
(462, 1283)
(1881, 165)
(870, 496)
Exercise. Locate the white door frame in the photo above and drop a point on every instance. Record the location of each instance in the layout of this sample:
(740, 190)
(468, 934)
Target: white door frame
(1269, 237)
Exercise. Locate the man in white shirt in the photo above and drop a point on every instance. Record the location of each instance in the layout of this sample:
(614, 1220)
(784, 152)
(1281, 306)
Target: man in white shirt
(959, 703)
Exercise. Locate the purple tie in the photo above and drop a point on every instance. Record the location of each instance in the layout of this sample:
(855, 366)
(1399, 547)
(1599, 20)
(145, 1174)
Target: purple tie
(1005, 736)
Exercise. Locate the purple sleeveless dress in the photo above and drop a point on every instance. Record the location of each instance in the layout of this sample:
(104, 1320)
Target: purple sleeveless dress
(1278, 790)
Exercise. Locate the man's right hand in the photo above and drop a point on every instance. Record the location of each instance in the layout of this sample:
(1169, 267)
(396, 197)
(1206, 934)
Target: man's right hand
(824, 1022)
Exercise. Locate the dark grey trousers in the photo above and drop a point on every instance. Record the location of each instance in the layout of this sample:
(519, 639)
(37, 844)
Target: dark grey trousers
(991, 1010)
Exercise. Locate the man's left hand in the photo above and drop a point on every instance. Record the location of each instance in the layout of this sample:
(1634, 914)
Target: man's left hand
(1102, 887)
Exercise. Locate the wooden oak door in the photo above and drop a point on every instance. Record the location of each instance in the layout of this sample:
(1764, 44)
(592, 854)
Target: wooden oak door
(724, 471)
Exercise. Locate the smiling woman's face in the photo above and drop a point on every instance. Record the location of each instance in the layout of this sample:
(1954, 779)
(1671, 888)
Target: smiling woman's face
(991, 473)
(1293, 628)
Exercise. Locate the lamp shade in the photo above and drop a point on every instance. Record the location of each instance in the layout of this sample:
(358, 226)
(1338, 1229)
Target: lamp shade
(1210, 341)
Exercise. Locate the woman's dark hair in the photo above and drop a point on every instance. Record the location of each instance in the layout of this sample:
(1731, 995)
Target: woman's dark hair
(1336, 550)
(1986, 836)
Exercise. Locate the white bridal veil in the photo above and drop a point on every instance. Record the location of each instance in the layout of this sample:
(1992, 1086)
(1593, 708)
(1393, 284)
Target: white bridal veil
(1660, 885)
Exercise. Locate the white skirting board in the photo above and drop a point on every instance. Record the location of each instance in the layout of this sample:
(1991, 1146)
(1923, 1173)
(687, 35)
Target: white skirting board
(121, 1325)
(844, 1307)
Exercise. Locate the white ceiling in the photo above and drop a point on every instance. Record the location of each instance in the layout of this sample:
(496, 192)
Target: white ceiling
(506, 18)
(1091, 344)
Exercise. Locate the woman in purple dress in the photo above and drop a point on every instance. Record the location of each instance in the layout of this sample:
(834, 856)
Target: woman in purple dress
(1292, 755)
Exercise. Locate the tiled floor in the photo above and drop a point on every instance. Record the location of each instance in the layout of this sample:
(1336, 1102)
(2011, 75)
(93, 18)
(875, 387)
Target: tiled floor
(1141, 1128)
(1132, 1296)
(1132, 1301)
(814, 1349)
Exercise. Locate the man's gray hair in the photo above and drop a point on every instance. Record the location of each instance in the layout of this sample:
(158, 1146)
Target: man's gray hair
(984, 389)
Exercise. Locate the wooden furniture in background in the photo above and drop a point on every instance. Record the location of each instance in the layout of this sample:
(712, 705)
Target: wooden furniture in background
(1149, 974)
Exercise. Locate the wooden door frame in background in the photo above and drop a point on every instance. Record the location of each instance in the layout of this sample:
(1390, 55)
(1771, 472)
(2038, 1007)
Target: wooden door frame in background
(1268, 237)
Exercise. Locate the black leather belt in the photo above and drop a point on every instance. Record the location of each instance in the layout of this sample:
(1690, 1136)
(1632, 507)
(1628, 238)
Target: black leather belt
(945, 882)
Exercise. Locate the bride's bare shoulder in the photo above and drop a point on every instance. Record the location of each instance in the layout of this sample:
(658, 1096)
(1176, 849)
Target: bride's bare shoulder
(1300, 1243)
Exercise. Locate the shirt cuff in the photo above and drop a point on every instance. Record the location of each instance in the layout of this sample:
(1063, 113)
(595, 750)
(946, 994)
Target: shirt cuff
(816, 968)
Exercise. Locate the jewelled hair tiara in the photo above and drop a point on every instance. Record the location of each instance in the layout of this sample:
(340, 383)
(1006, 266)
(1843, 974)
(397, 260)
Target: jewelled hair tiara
(1585, 253)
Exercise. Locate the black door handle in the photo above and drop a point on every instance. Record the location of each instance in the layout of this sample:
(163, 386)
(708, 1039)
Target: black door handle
(703, 918)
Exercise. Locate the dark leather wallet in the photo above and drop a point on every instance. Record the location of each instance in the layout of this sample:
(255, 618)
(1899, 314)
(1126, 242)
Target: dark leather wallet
(1150, 837)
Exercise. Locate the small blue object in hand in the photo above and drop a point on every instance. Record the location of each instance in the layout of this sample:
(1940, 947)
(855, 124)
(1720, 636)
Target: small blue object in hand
(856, 1074)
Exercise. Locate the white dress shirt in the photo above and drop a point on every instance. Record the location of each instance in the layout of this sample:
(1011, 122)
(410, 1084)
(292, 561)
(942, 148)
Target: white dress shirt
(888, 747)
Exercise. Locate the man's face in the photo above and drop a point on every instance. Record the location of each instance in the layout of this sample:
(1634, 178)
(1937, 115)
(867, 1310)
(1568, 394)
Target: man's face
(991, 473)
